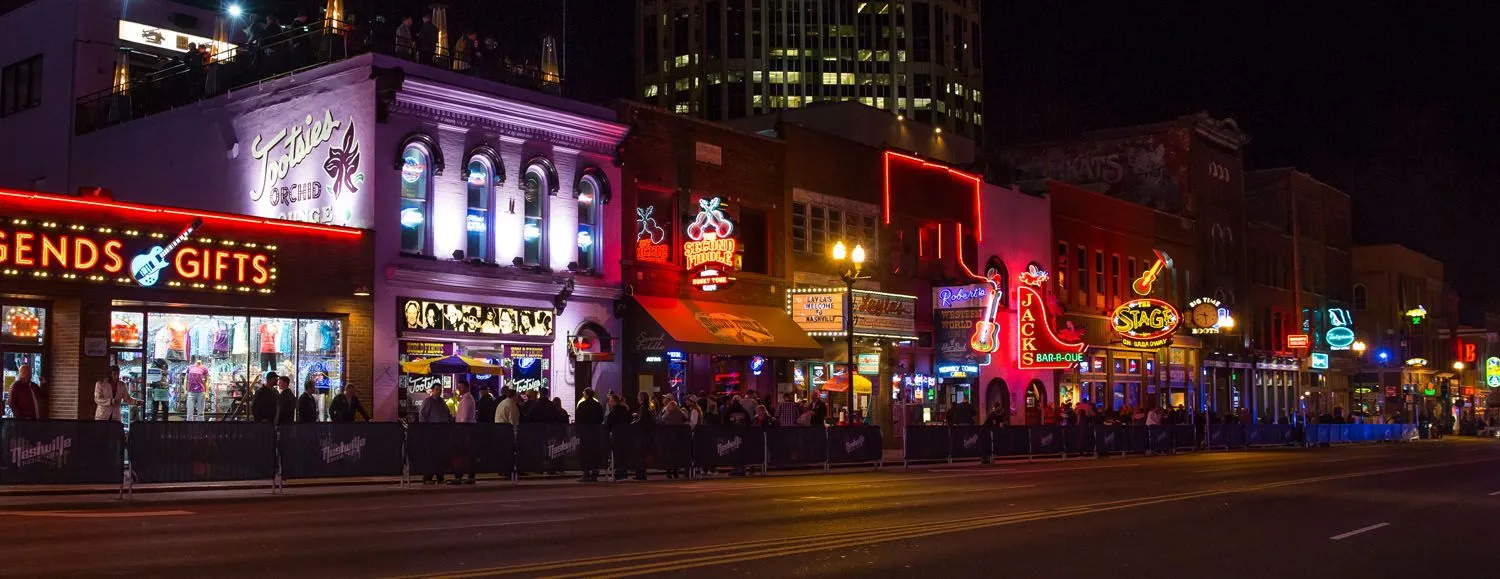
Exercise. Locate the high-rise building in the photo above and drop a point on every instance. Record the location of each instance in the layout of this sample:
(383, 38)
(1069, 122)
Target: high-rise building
(729, 59)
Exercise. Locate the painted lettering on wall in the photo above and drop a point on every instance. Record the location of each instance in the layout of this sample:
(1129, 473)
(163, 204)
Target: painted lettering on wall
(278, 158)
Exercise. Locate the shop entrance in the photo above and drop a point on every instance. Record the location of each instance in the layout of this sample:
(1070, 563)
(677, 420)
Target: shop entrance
(23, 335)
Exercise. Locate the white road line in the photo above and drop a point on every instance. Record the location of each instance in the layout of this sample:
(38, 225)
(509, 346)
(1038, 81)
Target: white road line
(1496, 493)
(480, 525)
(94, 515)
(1017, 487)
(1358, 531)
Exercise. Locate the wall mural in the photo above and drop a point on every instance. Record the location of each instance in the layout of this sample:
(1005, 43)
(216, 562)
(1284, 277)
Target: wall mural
(417, 314)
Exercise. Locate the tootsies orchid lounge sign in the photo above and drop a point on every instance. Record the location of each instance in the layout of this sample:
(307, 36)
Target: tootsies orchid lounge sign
(309, 168)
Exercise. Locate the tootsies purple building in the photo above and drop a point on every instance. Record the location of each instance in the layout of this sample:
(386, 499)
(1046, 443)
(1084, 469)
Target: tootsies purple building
(489, 198)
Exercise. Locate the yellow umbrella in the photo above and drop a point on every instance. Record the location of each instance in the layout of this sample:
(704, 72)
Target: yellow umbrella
(862, 385)
(450, 365)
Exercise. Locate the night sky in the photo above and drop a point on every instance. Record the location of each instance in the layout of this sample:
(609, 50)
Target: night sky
(1394, 103)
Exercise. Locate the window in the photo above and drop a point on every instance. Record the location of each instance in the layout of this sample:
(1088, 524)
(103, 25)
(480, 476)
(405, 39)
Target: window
(1361, 297)
(21, 86)
(1098, 279)
(535, 187)
(1082, 281)
(799, 227)
(1061, 268)
(816, 227)
(416, 191)
(592, 193)
(480, 180)
(1114, 277)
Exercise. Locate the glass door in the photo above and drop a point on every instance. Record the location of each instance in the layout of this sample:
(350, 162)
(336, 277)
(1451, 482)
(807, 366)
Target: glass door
(10, 367)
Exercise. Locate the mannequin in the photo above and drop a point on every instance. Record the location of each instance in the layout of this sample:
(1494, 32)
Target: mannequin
(197, 376)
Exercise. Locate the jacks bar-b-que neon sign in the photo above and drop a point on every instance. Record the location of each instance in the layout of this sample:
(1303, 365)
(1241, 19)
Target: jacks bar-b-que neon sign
(1037, 345)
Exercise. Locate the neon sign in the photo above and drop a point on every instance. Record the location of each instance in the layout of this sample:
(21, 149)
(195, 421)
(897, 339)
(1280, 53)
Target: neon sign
(1492, 372)
(1208, 316)
(99, 254)
(1318, 361)
(1297, 341)
(1417, 315)
(282, 154)
(711, 250)
(650, 238)
(1340, 336)
(1145, 322)
(1037, 346)
(1143, 285)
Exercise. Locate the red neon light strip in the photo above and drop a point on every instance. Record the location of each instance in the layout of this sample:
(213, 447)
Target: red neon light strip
(940, 241)
(169, 211)
(978, 189)
(887, 163)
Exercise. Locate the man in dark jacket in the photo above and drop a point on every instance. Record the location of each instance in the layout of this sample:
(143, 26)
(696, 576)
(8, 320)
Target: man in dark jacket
(589, 412)
(484, 408)
(263, 405)
(345, 406)
(307, 403)
(286, 401)
(617, 419)
(819, 412)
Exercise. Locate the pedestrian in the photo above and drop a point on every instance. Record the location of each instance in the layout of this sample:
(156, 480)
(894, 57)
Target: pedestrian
(466, 414)
(427, 40)
(672, 414)
(307, 403)
(405, 47)
(787, 411)
(735, 413)
(485, 406)
(286, 401)
(763, 416)
(508, 412)
(589, 412)
(263, 405)
(694, 414)
(750, 400)
(463, 52)
(643, 427)
(434, 411)
(109, 394)
(819, 412)
(993, 420)
(558, 413)
(617, 420)
(711, 413)
(345, 406)
(26, 396)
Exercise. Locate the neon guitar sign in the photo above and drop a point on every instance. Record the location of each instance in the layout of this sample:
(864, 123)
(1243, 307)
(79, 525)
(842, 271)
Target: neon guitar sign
(147, 267)
(1142, 285)
(986, 337)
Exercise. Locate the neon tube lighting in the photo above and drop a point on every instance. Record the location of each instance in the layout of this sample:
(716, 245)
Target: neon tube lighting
(271, 223)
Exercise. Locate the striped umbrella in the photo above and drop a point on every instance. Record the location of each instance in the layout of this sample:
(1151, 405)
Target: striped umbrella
(450, 365)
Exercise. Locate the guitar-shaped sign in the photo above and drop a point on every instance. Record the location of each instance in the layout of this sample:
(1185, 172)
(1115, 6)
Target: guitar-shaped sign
(147, 267)
(986, 338)
(1142, 285)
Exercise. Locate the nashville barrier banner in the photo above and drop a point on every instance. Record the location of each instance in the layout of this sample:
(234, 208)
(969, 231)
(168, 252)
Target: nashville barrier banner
(796, 445)
(202, 451)
(60, 452)
(854, 444)
(715, 446)
(553, 447)
(327, 449)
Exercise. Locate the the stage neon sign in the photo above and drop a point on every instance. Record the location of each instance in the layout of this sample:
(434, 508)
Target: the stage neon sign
(1145, 323)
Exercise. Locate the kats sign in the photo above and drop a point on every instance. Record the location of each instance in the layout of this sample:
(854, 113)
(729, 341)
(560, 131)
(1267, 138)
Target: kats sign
(1145, 323)
(710, 249)
(1037, 345)
(127, 256)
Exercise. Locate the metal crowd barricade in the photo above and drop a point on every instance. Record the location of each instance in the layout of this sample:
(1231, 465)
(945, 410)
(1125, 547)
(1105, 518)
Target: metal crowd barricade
(61, 452)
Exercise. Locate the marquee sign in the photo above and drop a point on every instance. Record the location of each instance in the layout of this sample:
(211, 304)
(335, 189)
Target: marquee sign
(711, 248)
(1145, 323)
(127, 256)
(816, 310)
(416, 314)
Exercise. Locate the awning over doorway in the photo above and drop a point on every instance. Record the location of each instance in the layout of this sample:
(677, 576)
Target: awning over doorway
(730, 329)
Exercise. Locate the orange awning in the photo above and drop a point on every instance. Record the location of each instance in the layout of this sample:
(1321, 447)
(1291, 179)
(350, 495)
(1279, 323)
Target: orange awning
(704, 327)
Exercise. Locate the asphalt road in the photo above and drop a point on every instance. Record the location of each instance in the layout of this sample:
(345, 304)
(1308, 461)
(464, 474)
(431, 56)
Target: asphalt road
(1410, 510)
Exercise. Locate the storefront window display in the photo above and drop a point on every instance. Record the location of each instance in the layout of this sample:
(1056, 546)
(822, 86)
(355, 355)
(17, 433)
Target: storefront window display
(23, 334)
(200, 367)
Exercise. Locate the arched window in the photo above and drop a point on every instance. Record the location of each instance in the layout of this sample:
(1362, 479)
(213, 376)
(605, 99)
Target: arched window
(416, 196)
(1361, 297)
(591, 192)
(535, 186)
(477, 222)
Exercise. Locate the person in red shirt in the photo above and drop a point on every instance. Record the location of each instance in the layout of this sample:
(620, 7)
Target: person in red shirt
(25, 396)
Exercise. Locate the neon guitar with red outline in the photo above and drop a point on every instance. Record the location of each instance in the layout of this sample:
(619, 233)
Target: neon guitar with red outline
(986, 337)
(1142, 285)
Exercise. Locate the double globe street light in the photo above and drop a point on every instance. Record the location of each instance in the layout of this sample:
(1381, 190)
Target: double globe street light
(851, 264)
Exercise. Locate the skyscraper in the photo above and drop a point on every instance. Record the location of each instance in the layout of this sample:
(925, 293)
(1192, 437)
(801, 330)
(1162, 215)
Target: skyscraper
(728, 59)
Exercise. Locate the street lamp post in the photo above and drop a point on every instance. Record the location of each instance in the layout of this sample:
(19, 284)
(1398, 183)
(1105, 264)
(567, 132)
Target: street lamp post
(850, 263)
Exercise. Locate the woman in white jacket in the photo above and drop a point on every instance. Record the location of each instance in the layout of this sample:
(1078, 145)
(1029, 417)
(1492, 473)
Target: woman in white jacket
(109, 395)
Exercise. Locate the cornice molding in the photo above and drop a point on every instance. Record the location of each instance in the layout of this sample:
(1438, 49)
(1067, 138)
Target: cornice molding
(449, 105)
(503, 284)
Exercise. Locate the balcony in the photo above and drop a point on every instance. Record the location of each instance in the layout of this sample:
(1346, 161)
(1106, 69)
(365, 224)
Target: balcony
(285, 54)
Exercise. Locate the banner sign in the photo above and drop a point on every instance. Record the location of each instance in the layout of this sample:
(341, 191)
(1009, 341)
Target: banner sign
(60, 452)
(951, 334)
(816, 311)
(884, 314)
(715, 446)
(490, 320)
(326, 449)
(796, 445)
(202, 451)
(854, 444)
(547, 447)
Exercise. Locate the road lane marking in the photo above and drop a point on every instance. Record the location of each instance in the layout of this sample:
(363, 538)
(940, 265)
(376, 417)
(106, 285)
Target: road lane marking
(1496, 493)
(668, 560)
(94, 514)
(1358, 531)
(479, 525)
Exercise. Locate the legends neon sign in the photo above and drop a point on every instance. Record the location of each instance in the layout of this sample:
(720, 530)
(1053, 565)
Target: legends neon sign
(1037, 345)
(47, 249)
